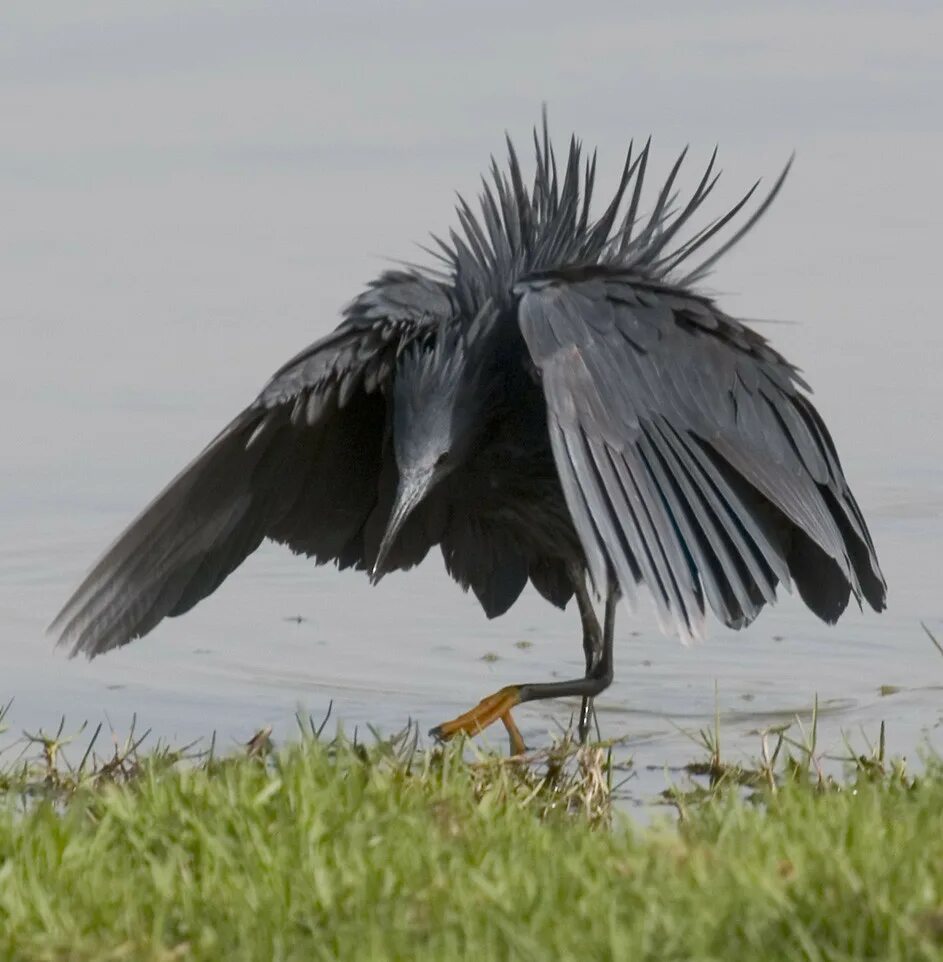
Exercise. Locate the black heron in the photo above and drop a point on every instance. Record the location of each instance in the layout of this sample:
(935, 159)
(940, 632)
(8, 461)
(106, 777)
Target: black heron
(554, 401)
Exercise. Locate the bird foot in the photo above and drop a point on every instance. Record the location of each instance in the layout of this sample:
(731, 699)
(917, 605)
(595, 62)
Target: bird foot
(489, 710)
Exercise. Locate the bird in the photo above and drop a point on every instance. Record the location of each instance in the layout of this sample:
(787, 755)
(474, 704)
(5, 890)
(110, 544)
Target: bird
(551, 398)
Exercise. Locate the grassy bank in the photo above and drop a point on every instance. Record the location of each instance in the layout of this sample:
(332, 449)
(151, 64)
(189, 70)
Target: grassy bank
(332, 851)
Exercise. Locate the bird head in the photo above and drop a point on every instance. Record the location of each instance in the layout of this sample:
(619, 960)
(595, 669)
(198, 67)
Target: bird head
(443, 391)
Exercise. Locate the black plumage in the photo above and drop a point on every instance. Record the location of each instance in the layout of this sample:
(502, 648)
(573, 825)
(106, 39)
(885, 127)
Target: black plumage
(554, 398)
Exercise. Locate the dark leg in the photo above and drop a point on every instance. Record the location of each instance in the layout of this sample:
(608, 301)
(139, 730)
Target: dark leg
(598, 647)
(592, 643)
(600, 660)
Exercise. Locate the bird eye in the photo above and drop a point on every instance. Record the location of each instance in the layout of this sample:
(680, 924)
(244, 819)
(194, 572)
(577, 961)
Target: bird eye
(441, 459)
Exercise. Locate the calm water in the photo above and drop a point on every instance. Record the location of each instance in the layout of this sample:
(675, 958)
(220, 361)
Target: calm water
(187, 198)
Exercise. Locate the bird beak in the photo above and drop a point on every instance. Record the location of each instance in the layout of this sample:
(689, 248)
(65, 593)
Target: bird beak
(412, 489)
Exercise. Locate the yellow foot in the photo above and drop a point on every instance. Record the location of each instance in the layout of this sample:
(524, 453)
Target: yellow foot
(485, 713)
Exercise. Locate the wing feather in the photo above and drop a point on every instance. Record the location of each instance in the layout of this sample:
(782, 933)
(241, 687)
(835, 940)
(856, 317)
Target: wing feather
(689, 457)
(719, 536)
(301, 465)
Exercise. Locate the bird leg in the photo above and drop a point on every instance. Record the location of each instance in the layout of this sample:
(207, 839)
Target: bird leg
(597, 645)
(592, 644)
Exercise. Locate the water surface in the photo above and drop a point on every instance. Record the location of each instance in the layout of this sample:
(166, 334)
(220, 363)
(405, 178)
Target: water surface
(187, 198)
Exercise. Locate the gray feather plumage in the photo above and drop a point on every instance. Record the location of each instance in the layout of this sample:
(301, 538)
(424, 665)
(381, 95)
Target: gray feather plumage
(607, 414)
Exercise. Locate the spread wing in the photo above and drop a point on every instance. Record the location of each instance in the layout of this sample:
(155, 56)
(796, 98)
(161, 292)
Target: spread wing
(690, 458)
(301, 465)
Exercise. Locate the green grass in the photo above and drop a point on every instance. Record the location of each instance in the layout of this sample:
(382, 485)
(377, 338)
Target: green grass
(329, 850)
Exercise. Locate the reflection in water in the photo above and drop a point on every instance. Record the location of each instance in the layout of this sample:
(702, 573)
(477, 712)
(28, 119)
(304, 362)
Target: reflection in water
(156, 270)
